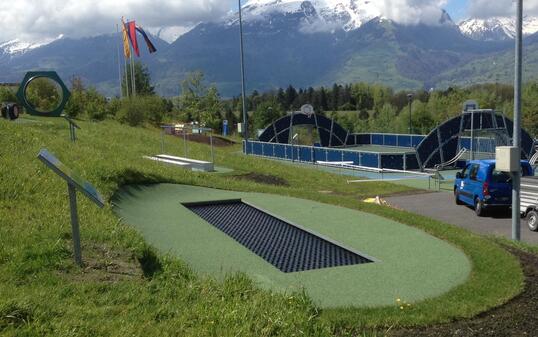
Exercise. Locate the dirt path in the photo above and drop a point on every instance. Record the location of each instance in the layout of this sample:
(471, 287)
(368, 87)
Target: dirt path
(519, 317)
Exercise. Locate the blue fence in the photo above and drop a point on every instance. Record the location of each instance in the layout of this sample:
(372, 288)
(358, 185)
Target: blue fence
(398, 161)
(480, 144)
(388, 139)
(311, 154)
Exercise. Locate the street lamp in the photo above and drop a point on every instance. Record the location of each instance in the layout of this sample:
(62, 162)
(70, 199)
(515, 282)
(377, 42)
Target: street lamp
(410, 100)
(516, 180)
(245, 121)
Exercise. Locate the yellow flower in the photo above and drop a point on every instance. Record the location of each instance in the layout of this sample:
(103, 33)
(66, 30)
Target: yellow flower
(398, 300)
(401, 307)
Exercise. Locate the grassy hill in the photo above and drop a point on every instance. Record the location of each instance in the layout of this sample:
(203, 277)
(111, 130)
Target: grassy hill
(128, 289)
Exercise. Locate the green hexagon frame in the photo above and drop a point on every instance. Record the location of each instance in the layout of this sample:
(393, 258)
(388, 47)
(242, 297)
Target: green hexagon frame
(52, 75)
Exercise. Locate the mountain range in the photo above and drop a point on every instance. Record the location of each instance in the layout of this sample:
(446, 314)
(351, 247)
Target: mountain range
(303, 43)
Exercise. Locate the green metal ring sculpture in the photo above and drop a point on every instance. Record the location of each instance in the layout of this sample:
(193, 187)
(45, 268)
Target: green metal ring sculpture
(31, 109)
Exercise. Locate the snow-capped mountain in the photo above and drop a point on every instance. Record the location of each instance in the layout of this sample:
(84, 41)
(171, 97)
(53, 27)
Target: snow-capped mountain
(497, 28)
(320, 14)
(17, 47)
(169, 34)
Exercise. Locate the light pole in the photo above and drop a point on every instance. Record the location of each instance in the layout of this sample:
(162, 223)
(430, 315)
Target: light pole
(245, 121)
(410, 100)
(516, 181)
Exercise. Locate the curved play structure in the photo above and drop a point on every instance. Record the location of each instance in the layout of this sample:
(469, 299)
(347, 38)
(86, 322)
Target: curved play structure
(330, 132)
(446, 144)
(445, 141)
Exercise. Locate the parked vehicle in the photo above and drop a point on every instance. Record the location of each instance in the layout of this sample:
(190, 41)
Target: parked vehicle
(481, 186)
(529, 201)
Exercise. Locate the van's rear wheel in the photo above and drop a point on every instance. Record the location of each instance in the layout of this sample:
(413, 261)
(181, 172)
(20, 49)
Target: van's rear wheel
(532, 220)
(457, 197)
(479, 207)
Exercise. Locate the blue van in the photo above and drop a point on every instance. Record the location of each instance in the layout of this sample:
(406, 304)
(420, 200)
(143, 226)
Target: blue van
(481, 186)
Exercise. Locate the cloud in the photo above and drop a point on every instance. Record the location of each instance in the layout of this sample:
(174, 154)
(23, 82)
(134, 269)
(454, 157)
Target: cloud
(506, 8)
(33, 20)
(412, 12)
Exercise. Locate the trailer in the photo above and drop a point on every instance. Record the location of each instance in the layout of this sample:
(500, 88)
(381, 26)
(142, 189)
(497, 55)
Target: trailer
(529, 201)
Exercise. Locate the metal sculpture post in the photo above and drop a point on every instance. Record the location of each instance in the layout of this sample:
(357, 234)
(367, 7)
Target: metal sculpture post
(75, 228)
(72, 128)
(74, 183)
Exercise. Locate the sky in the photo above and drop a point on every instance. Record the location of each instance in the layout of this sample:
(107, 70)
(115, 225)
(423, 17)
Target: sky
(39, 20)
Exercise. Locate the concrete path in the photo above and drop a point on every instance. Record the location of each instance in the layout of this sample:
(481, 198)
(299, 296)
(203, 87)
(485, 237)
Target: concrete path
(441, 206)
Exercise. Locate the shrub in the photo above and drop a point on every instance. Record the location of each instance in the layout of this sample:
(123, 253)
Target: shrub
(136, 110)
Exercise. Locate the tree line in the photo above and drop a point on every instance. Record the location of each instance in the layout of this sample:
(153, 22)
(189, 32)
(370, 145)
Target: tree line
(359, 107)
(362, 107)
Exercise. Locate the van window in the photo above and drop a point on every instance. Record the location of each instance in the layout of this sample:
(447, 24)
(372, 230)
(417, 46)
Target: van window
(465, 172)
(500, 177)
(474, 172)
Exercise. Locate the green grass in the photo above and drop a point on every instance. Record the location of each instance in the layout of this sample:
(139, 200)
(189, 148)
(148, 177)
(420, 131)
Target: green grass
(42, 293)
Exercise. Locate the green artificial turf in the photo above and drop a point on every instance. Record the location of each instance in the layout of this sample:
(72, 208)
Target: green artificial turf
(412, 265)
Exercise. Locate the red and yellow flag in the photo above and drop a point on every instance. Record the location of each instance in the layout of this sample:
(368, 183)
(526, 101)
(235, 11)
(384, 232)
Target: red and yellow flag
(131, 30)
(126, 47)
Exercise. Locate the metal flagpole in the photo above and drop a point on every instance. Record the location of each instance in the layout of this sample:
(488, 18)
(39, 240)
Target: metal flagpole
(125, 69)
(516, 181)
(133, 91)
(119, 62)
(245, 119)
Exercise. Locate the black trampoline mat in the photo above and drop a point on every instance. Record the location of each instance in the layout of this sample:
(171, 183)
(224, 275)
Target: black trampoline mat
(282, 244)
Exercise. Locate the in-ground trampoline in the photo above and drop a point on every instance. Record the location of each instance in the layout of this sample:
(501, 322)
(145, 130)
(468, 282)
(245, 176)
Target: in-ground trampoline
(339, 257)
(286, 246)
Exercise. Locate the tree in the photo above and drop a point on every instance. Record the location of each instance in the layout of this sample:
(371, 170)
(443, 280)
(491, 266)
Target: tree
(43, 94)
(266, 113)
(142, 80)
(200, 103)
(385, 119)
(7, 95)
(291, 95)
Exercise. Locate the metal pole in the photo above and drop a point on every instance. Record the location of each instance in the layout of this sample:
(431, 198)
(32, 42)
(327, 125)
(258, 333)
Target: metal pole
(125, 69)
(74, 224)
(472, 135)
(212, 151)
(516, 181)
(410, 100)
(291, 133)
(162, 141)
(133, 75)
(245, 119)
(185, 141)
(118, 52)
